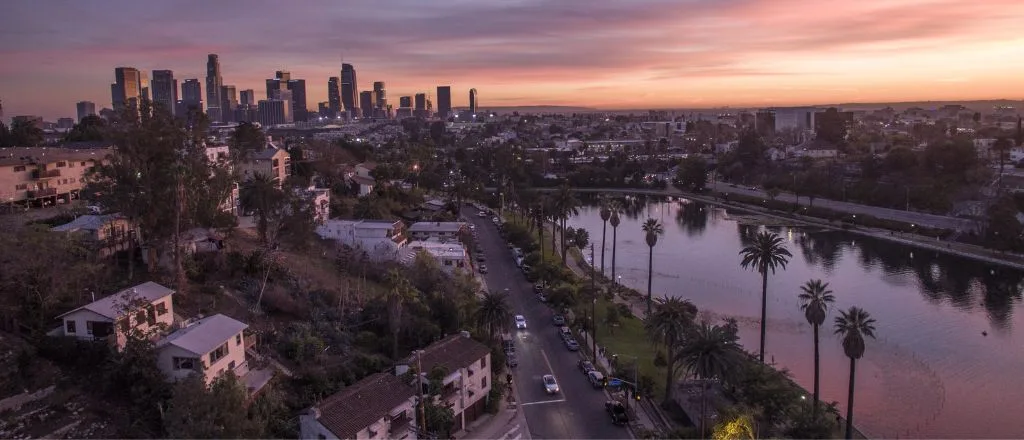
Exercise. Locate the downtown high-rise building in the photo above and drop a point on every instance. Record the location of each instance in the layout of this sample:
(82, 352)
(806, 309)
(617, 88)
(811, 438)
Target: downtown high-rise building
(126, 89)
(472, 102)
(444, 102)
(300, 110)
(247, 97)
(366, 101)
(274, 112)
(333, 97)
(165, 90)
(380, 94)
(284, 88)
(191, 97)
(424, 107)
(228, 103)
(85, 108)
(350, 90)
(214, 82)
(405, 102)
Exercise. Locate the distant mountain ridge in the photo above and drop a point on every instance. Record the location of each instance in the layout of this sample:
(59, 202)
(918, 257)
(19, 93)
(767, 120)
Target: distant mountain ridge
(979, 105)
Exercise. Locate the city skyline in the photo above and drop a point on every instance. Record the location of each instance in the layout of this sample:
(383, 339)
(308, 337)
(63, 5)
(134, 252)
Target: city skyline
(601, 53)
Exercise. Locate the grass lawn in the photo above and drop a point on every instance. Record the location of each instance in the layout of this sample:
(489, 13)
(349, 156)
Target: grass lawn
(629, 340)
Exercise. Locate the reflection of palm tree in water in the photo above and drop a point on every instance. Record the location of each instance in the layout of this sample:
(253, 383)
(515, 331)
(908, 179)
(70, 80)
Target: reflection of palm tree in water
(1002, 293)
(693, 218)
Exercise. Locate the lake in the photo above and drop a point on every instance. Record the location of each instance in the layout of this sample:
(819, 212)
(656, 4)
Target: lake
(949, 346)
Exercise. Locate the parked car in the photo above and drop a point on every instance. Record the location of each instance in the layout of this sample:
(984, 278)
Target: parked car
(483, 268)
(585, 366)
(572, 345)
(558, 320)
(511, 361)
(495, 220)
(564, 332)
(550, 385)
(520, 322)
(617, 411)
(542, 298)
(538, 288)
(596, 379)
(481, 214)
(480, 258)
(509, 346)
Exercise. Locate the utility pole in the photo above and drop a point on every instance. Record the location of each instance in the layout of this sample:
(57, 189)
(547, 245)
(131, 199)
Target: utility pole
(593, 304)
(419, 389)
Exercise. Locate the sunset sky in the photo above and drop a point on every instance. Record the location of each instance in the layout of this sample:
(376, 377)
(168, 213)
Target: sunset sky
(611, 54)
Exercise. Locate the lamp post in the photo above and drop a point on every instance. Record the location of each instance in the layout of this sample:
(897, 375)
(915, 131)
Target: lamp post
(593, 304)
(419, 389)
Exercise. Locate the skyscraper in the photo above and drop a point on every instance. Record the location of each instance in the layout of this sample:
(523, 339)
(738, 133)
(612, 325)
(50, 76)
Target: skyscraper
(422, 110)
(274, 112)
(380, 94)
(247, 97)
(366, 100)
(165, 89)
(85, 108)
(228, 103)
(472, 102)
(333, 96)
(349, 90)
(191, 97)
(214, 82)
(144, 86)
(126, 89)
(444, 102)
(405, 102)
(299, 106)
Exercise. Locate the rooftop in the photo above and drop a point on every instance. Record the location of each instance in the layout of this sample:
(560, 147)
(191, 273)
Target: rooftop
(452, 353)
(360, 405)
(368, 224)
(436, 227)
(114, 305)
(86, 222)
(204, 335)
(45, 155)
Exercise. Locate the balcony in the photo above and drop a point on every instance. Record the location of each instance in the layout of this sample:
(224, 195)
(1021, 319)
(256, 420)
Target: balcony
(45, 174)
(399, 426)
(45, 192)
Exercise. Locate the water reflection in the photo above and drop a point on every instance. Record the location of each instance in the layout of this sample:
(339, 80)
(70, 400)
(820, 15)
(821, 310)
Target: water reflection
(692, 218)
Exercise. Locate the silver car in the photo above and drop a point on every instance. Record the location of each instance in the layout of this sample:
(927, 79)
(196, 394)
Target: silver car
(549, 384)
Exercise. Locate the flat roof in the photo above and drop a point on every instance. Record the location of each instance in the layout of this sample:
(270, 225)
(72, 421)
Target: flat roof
(45, 155)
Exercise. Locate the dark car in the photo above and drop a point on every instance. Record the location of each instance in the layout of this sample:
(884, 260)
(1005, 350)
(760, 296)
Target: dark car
(585, 366)
(572, 345)
(558, 320)
(617, 411)
(512, 361)
(480, 258)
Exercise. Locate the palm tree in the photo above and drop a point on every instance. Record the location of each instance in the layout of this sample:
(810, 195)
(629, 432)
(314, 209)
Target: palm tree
(539, 216)
(493, 313)
(605, 215)
(652, 229)
(667, 326)
(614, 220)
(566, 204)
(710, 352)
(401, 292)
(853, 325)
(261, 195)
(766, 253)
(815, 298)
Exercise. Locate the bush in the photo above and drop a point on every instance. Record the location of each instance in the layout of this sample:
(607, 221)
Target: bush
(72, 352)
(494, 397)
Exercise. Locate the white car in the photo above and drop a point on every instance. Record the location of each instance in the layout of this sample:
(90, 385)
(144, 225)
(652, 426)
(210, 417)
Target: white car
(549, 384)
(520, 322)
(481, 214)
(495, 220)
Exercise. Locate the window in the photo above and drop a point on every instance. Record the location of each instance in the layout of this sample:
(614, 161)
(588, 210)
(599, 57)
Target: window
(218, 353)
(483, 362)
(231, 365)
(83, 163)
(62, 164)
(238, 339)
(161, 309)
(69, 327)
(483, 382)
(20, 187)
(181, 363)
(19, 168)
(275, 163)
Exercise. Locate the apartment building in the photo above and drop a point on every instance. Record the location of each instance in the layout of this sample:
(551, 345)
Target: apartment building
(382, 240)
(36, 176)
(272, 161)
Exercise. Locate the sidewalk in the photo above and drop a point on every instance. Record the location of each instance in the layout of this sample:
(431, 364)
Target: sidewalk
(508, 424)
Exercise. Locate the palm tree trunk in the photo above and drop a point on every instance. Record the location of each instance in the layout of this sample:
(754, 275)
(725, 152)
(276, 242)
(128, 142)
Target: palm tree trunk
(540, 230)
(615, 237)
(554, 244)
(849, 400)
(563, 240)
(817, 373)
(650, 276)
(669, 367)
(764, 311)
(703, 408)
(604, 235)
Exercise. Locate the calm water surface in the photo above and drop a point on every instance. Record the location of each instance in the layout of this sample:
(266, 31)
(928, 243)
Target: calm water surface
(949, 352)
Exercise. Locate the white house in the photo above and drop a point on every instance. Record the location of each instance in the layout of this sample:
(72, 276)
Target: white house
(320, 198)
(147, 308)
(214, 344)
(366, 184)
(468, 380)
(435, 230)
(450, 255)
(381, 406)
(380, 239)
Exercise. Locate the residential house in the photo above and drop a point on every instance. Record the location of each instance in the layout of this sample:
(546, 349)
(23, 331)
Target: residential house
(211, 346)
(192, 241)
(320, 198)
(380, 239)
(146, 308)
(45, 175)
(365, 169)
(450, 255)
(983, 148)
(816, 149)
(467, 381)
(381, 406)
(272, 161)
(106, 234)
(437, 230)
(220, 155)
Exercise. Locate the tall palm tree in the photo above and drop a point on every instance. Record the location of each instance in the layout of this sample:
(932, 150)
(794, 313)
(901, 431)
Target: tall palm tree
(400, 293)
(766, 253)
(605, 215)
(539, 215)
(261, 195)
(493, 313)
(652, 229)
(614, 220)
(710, 352)
(667, 327)
(815, 298)
(566, 205)
(853, 325)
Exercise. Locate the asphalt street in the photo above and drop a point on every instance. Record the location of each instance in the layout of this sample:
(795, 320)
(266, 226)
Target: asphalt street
(577, 411)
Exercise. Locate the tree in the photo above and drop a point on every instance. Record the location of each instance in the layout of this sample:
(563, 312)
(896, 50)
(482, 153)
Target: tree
(91, 128)
(400, 293)
(266, 201)
(581, 239)
(246, 139)
(198, 411)
(710, 352)
(565, 204)
(652, 229)
(693, 173)
(5, 136)
(1002, 146)
(853, 325)
(615, 208)
(815, 299)
(133, 374)
(606, 213)
(831, 126)
(667, 326)
(611, 318)
(766, 253)
(25, 133)
(493, 313)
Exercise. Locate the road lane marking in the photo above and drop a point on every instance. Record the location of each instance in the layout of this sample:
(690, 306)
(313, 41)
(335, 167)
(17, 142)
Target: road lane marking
(551, 371)
(542, 402)
(511, 431)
